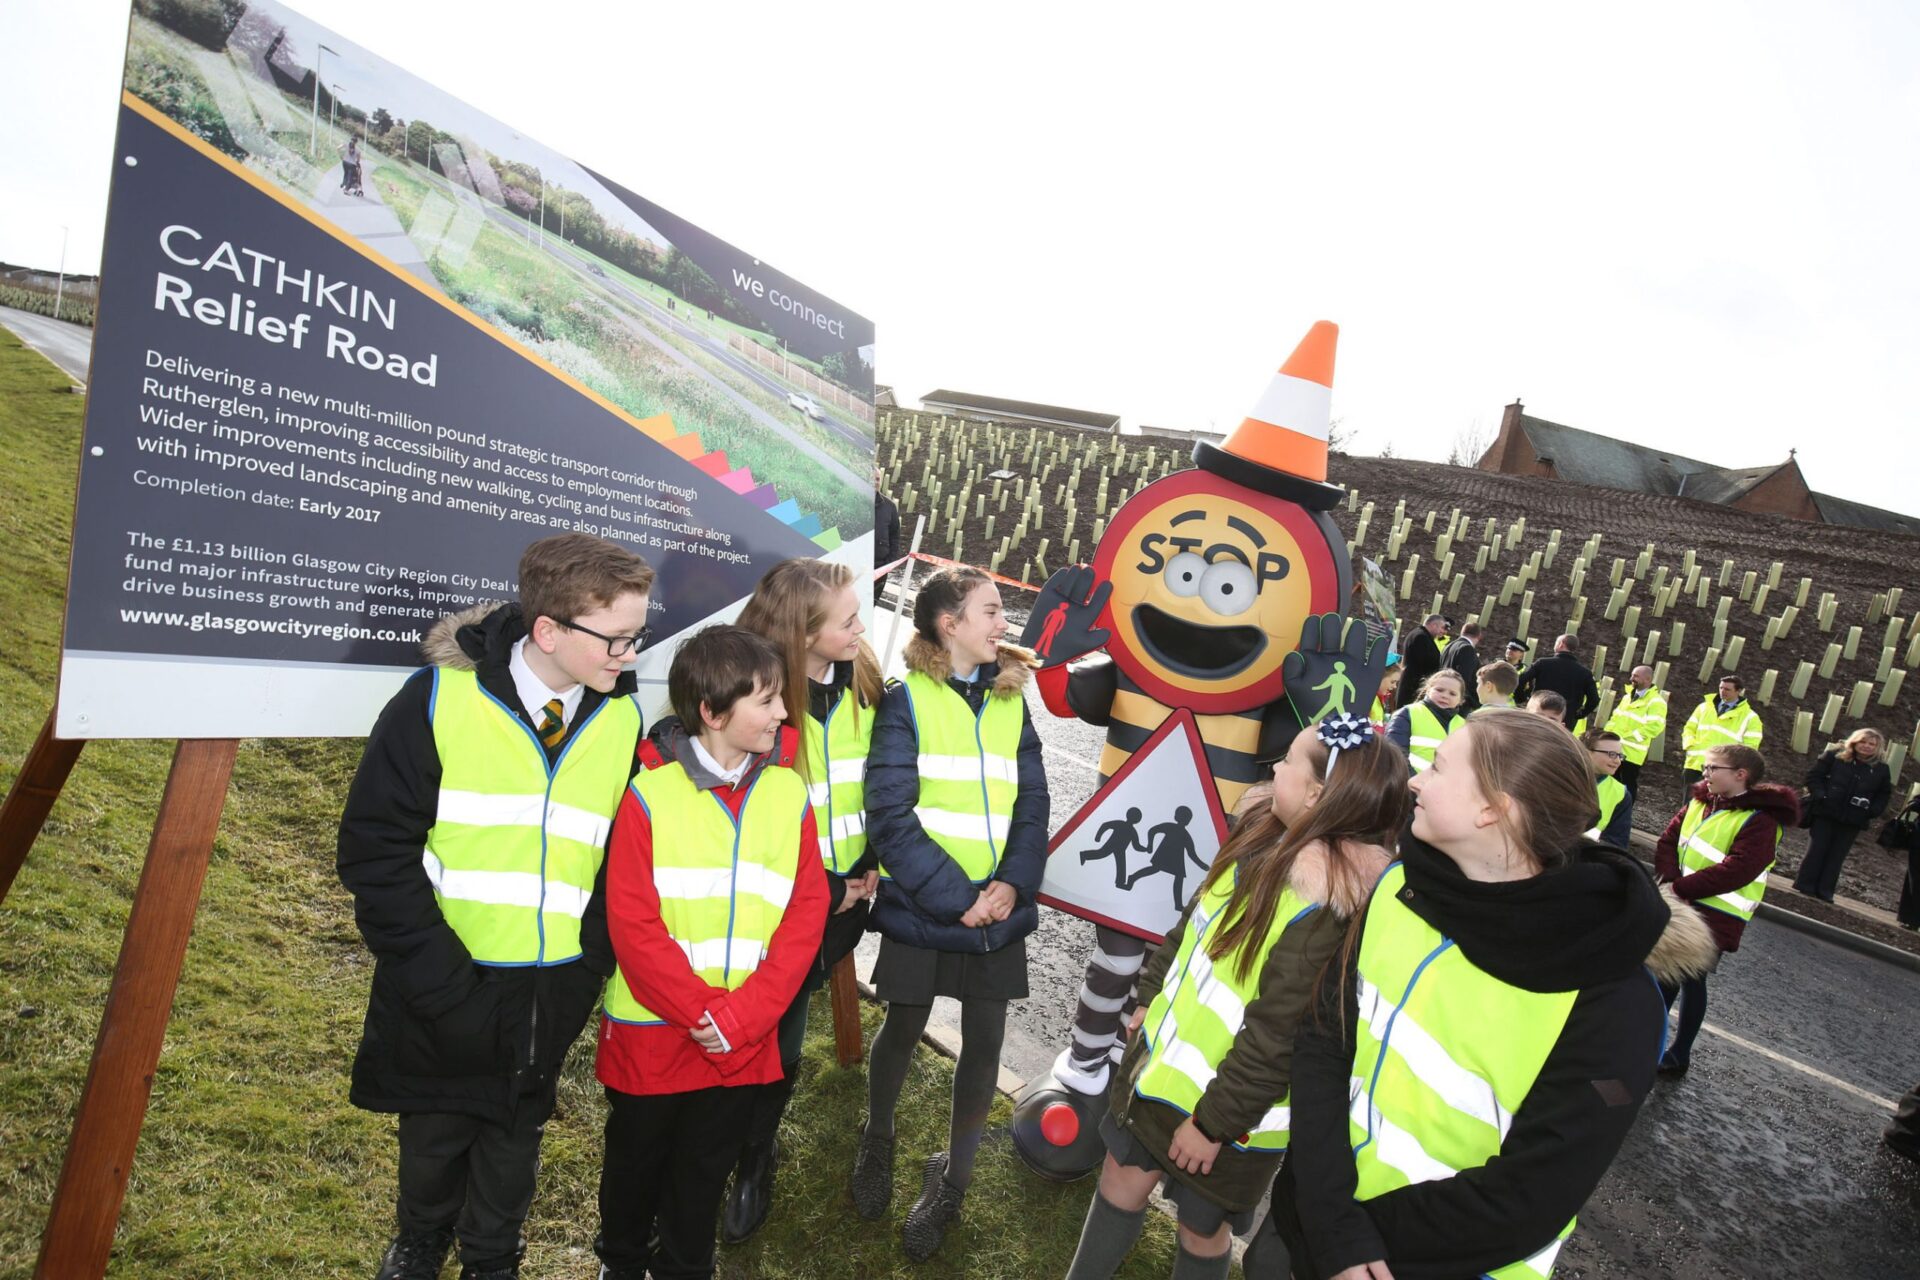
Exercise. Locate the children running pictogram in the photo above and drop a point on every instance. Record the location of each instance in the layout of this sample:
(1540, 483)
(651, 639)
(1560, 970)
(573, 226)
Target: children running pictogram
(1125, 835)
(1170, 848)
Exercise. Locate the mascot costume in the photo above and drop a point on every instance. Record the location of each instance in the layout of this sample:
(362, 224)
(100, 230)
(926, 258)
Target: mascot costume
(1216, 595)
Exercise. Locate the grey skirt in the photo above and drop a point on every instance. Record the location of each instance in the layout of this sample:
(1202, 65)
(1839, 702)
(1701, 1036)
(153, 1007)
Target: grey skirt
(915, 975)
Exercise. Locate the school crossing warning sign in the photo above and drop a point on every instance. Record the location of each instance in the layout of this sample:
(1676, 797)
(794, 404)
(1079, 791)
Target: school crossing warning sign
(359, 343)
(1135, 854)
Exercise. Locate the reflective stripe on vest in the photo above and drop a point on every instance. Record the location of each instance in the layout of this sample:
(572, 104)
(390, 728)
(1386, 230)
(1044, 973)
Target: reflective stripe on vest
(969, 771)
(515, 846)
(1705, 840)
(1444, 1055)
(1640, 722)
(723, 884)
(1198, 1012)
(837, 758)
(1610, 792)
(1425, 735)
(1709, 729)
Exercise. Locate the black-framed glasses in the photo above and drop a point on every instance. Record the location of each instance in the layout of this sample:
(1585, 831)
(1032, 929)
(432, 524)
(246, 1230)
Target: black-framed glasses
(1711, 768)
(617, 646)
(1611, 755)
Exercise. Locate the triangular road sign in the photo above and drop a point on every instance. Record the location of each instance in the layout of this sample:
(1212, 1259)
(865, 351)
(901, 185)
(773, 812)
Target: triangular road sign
(1135, 854)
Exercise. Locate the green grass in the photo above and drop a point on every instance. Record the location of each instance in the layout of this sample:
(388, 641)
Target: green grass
(252, 1162)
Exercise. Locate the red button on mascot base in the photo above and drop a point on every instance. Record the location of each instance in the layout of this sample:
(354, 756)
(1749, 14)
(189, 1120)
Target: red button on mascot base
(1218, 590)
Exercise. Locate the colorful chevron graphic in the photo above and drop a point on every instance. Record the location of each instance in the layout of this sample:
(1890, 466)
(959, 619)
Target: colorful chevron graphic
(739, 479)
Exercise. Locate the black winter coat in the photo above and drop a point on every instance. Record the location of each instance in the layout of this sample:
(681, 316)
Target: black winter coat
(1601, 927)
(921, 904)
(1418, 660)
(443, 1034)
(1463, 657)
(1850, 792)
(1562, 673)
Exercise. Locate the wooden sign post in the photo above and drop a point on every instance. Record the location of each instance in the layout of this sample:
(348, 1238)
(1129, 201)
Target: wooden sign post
(113, 1104)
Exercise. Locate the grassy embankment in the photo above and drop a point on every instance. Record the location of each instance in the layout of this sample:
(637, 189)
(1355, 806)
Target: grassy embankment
(252, 1162)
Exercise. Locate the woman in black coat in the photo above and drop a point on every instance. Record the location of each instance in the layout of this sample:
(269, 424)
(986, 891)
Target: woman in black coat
(1847, 788)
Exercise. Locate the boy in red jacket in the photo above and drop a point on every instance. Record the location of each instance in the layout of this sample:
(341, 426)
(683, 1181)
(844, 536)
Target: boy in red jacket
(714, 926)
(1715, 853)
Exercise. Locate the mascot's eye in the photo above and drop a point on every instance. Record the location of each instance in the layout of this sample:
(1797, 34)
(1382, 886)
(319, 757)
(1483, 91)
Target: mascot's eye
(1184, 573)
(1227, 587)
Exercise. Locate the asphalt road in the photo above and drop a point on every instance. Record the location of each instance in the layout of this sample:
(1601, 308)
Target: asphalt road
(67, 345)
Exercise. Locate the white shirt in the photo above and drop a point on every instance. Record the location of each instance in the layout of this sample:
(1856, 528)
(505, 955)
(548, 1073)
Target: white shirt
(729, 776)
(533, 691)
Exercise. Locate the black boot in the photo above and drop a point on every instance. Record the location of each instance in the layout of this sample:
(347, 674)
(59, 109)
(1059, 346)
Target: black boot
(510, 1271)
(417, 1255)
(873, 1174)
(498, 1269)
(751, 1196)
(937, 1207)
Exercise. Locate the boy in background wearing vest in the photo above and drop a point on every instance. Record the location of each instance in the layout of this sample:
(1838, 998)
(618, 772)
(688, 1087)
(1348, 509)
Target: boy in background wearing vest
(473, 842)
(1604, 753)
(715, 926)
(1716, 853)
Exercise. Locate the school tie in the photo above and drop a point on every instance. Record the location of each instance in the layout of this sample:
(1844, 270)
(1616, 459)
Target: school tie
(552, 727)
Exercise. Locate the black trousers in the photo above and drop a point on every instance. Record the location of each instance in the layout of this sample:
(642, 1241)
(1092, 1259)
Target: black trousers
(1690, 776)
(1909, 913)
(472, 1176)
(1828, 843)
(663, 1175)
(1628, 774)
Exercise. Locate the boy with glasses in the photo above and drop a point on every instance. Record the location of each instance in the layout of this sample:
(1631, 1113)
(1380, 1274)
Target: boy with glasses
(473, 842)
(1604, 755)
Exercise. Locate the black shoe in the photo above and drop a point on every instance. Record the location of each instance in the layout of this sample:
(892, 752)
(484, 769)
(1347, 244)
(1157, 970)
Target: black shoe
(1902, 1146)
(751, 1197)
(511, 1271)
(938, 1205)
(415, 1256)
(1670, 1068)
(872, 1179)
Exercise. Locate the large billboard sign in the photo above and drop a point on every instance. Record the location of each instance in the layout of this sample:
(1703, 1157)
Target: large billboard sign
(359, 343)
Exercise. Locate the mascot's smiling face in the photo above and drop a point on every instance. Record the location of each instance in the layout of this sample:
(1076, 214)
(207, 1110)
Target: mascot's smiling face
(1211, 582)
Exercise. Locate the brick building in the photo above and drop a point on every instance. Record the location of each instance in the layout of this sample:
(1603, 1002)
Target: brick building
(1529, 446)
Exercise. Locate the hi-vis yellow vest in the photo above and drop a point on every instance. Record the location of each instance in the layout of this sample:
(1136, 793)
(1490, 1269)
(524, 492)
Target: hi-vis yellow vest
(1640, 722)
(837, 786)
(516, 846)
(1707, 728)
(1705, 841)
(1610, 791)
(1425, 734)
(969, 772)
(723, 884)
(1444, 1054)
(1192, 1022)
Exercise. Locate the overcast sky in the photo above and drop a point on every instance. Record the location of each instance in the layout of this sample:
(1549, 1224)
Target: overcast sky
(1687, 225)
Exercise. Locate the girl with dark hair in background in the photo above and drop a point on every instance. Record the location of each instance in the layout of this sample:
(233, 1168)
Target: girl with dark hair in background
(957, 812)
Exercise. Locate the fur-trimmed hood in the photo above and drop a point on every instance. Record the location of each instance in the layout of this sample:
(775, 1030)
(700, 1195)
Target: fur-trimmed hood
(445, 646)
(1777, 802)
(1012, 670)
(1685, 948)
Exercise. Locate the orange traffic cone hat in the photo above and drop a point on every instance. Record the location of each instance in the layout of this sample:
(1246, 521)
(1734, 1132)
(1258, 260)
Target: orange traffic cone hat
(1281, 446)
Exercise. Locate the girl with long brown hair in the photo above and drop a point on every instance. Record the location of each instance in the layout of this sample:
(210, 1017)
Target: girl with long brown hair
(1201, 1099)
(1476, 1066)
(810, 609)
